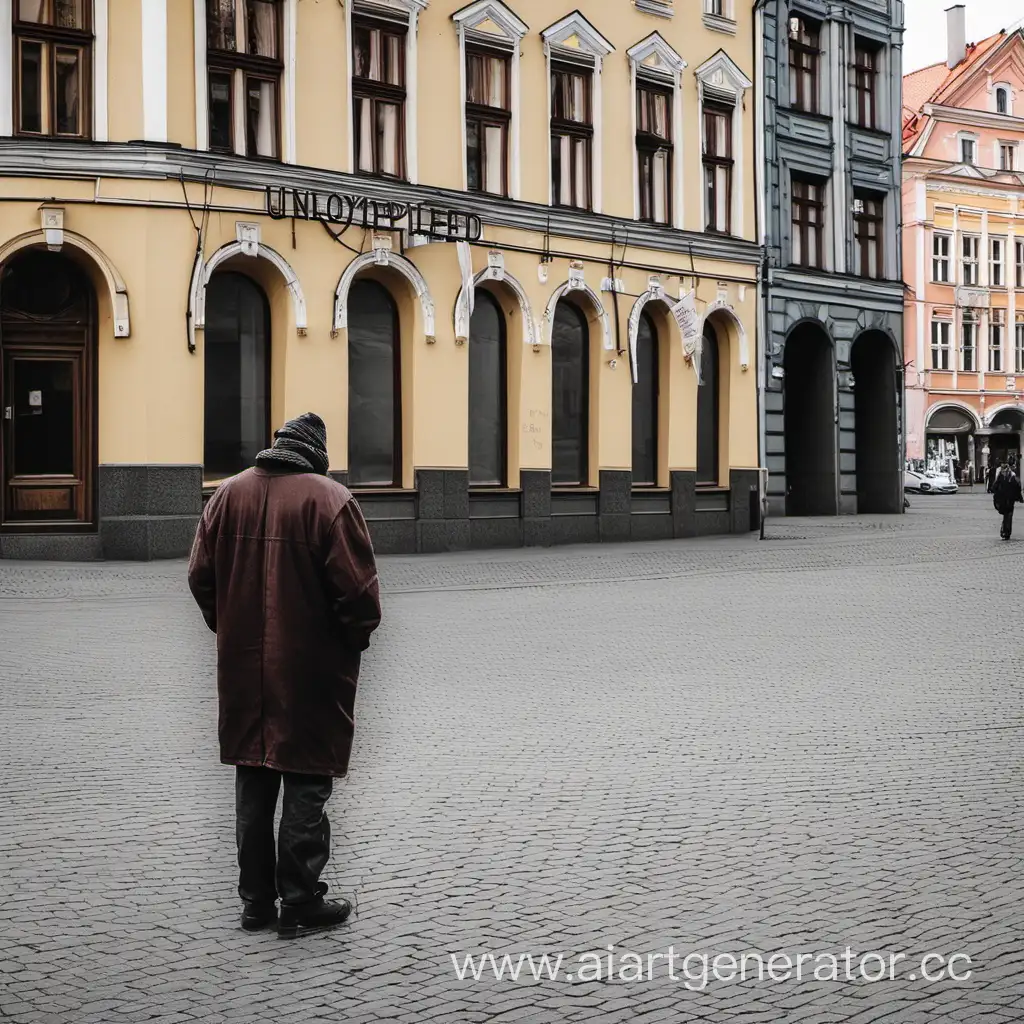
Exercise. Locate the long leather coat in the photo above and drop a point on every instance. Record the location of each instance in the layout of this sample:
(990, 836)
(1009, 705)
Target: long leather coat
(283, 571)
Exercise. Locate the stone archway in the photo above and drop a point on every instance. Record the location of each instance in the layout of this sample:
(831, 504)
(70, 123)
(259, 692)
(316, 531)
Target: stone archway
(876, 419)
(810, 427)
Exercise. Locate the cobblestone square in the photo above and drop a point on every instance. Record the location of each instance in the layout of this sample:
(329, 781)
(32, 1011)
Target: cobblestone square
(721, 745)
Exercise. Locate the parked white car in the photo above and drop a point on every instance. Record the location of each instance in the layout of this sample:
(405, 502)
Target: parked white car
(928, 483)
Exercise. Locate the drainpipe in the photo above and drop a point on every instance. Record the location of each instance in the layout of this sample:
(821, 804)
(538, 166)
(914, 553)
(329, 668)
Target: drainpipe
(761, 341)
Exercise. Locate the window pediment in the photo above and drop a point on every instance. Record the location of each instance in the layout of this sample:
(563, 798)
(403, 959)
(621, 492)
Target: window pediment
(655, 57)
(574, 36)
(390, 8)
(720, 74)
(490, 21)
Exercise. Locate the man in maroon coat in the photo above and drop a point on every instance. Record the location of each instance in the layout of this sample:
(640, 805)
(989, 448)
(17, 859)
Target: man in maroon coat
(283, 571)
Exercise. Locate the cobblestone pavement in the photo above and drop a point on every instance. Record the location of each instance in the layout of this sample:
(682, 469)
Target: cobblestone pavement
(726, 745)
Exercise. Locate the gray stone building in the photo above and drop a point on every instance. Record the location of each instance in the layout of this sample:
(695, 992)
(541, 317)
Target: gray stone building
(832, 298)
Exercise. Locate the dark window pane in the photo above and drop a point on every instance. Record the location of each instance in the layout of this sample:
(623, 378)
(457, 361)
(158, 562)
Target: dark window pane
(473, 155)
(486, 392)
(262, 25)
(220, 24)
(570, 398)
(645, 405)
(32, 10)
(44, 417)
(260, 117)
(31, 87)
(69, 13)
(237, 344)
(707, 410)
(68, 88)
(220, 111)
(374, 400)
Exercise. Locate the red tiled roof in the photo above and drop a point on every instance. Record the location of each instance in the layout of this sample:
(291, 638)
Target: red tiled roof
(935, 82)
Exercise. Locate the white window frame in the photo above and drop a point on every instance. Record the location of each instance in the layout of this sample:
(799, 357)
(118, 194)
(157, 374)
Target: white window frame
(720, 79)
(409, 12)
(1018, 345)
(720, 22)
(575, 41)
(1014, 150)
(653, 60)
(508, 40)
(100, 58)
(997, 243)
(975, 261)
(289, 15)
(996, 324)
(941, 341)
(940, 259)
(996, 86)
(1018, 248)
(961, 138)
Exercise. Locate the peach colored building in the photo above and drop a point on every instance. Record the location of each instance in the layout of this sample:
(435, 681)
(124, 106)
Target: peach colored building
(963, 215)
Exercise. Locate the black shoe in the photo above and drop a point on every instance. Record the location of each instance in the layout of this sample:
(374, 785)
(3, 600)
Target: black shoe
(312, 917)
(257, 916)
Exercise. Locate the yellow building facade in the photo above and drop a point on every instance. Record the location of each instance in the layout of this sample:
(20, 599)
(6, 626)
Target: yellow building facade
(456, 232)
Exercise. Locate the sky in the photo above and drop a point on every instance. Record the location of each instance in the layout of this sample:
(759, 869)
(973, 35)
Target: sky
(925, 39)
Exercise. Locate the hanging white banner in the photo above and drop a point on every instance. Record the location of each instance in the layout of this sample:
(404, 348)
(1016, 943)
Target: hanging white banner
(688, 319)
(466, 266)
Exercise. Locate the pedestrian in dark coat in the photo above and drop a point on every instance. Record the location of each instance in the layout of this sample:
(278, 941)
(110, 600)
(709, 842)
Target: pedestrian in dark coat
(1006, 493)
(283, 571)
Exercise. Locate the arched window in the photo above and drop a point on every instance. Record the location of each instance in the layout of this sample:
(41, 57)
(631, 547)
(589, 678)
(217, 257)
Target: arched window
(487, 418)
(237, 362)
(374, 388)
(645, 405)
(1002, 100)
(707, 410)
(570, 398)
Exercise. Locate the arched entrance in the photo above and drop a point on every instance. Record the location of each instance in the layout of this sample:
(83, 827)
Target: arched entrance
(1007, 428)
(48, 383)
(488, 436)
(948, 440)
(570, 396)
(876, 412)
(810, 432)
(237, 375)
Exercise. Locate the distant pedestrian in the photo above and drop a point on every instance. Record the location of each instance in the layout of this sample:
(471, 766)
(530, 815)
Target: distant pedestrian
(283, 571)
(1006, 494)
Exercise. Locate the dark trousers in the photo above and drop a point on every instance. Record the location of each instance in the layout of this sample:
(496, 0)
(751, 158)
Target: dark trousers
(303, 842)
(1007, 524)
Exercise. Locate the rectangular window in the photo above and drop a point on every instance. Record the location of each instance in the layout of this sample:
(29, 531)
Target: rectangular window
(940, 344)
(572, 135)
(1007, 156)
(1019, 250)
(52, 68)
(996, 330)
(968, 150)
(996, 262)
(804, 60)
(868, 237)
(864, 79)
(969, 341)
(654, 151)
(1018, 347)
(243, 40)
(808, 223)
(716, 7)
(378, 97)
(940, 258)
(488, 116)
(718, 165)
(970, 259)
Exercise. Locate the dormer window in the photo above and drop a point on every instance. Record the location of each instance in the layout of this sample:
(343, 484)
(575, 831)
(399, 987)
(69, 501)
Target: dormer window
(1002, 100)
(968, 149)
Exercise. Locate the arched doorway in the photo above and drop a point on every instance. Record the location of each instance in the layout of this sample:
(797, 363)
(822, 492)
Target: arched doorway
(236, 419)
(488, 439)
(809, 423)
(570, 396)
(948, 436)
(1004, 439)
(708, 409)
(48, 367)
(645, 404)
(374, 387)
(876, 418)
